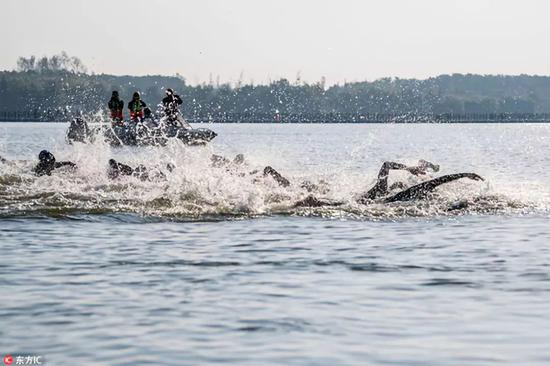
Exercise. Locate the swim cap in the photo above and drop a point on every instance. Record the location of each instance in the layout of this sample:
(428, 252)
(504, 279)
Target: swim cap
(46, 156)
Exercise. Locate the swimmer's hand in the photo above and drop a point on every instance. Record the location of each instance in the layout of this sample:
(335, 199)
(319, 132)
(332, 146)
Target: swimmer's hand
(416, 170)
(473, 176)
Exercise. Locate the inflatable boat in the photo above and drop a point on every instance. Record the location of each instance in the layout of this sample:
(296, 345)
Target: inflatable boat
(144, 133)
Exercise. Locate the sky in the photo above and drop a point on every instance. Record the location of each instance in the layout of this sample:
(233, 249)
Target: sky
(259, 41)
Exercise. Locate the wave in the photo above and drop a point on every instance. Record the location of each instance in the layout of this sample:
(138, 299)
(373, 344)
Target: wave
(197, 190)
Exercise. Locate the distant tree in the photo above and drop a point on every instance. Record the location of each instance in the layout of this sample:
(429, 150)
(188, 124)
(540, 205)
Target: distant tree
(61, 62)
(516, 105)
(449, 105)
(26, 64)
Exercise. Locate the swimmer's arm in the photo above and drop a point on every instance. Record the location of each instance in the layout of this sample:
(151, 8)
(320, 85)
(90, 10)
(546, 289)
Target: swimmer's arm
(65, 163)
(434, 183)
(391, 165)
(125, 169)
(420, 190)
(218, 160)
(277, 176)
(311, 201)
(381, 187)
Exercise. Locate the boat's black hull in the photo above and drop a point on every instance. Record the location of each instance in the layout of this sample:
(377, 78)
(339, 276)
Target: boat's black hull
(138, 135)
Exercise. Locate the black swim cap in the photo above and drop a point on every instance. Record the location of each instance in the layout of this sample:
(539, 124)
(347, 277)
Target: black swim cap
(115, 93)
(46, 157)
(136, 94)
(169, 91)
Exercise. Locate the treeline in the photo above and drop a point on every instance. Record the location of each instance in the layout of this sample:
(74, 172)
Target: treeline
(61, 62)
(60, 84)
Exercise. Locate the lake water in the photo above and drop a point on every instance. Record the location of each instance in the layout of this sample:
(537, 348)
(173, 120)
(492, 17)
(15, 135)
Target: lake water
(216, 265)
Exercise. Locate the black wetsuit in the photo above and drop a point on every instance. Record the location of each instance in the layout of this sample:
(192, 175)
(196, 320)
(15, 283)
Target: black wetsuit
(47, 164)
(277, 176)
(47, 169)
(171, 101)
(380, 191)
(117, 169)
(116, 104)
(422, 189)
(78, 130)
(418, 191)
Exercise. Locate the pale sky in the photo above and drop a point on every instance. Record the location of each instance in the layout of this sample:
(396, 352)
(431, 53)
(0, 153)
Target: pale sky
(349, 40)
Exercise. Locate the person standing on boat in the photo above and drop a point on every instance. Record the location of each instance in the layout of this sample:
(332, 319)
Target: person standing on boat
(136, 107)
(171, 103)
(116, 105)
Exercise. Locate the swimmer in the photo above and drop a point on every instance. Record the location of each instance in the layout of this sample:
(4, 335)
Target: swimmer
(47, 164)
(219, 161)
(380, 191)
(117, 170)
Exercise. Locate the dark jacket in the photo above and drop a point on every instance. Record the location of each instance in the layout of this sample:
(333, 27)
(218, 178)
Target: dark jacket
(171, 101)
(116, 104)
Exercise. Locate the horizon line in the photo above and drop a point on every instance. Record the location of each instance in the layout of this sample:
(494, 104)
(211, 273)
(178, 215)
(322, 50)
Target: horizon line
(297, 81)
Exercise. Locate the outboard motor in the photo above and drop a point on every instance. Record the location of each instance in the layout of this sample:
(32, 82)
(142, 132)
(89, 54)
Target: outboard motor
(78, 131)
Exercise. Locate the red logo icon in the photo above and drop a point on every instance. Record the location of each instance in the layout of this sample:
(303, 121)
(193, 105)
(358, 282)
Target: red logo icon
(8, 360)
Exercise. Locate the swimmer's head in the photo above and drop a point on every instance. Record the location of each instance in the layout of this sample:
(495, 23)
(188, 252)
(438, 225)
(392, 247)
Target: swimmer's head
(46, 157)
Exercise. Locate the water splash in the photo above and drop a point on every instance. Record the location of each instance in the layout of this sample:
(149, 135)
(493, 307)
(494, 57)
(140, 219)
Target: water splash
(197, 190)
